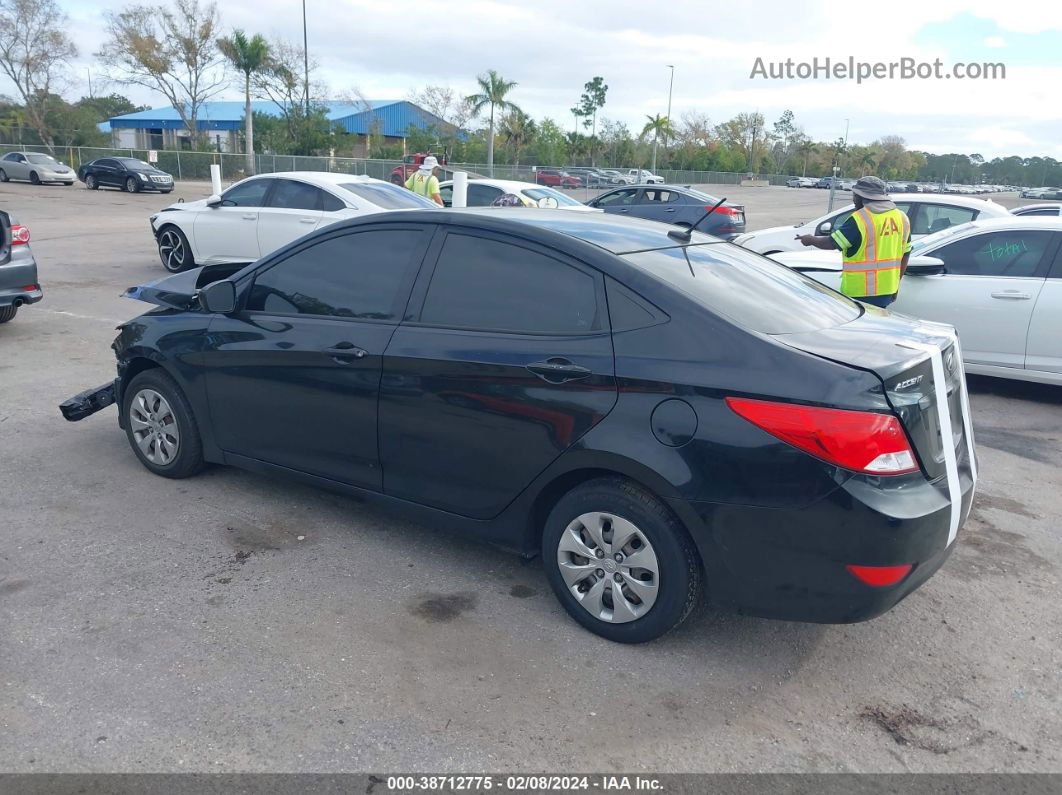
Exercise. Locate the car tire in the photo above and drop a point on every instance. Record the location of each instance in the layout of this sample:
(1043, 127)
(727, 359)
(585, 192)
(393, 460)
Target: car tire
(8, 312)
(68, 184)
(655, 597)
(91, 183)
(3, 176)
(131, 185)
(160, 425)
(35, 178)
(174, 251)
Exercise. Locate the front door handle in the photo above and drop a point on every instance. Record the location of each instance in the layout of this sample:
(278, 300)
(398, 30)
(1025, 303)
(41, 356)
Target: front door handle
(343, 352)
(558, 370)
(249, 216)
(669, 210)
(307, 220)
(1014, 295)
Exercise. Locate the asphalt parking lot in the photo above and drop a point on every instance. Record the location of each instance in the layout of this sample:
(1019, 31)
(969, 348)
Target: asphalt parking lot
(231, 622)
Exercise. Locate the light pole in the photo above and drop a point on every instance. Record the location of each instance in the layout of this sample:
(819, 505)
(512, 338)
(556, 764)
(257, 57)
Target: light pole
(305, 63)
(844, 149)
(670, 86)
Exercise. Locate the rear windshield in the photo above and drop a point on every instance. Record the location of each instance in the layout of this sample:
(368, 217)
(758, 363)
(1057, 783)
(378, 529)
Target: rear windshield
(752, 291)
(543, 193)
(387, 196)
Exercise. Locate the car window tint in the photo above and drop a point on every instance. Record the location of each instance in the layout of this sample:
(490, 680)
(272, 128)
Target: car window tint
(753, 291)
(387, 196)
(935, 217)
(247, 194)
(447, 193)
(619, 198)
(481, 195)
(330, 203)
(626, 309)
(11, 156)
(481, 283)
(292, 195)
(361, 275)
(107, 163)
(657, 196)
(1011, 253)
(1038, 212)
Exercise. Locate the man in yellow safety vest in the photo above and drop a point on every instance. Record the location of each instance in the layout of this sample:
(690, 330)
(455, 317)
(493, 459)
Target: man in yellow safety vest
(874, 242)
(423, 181)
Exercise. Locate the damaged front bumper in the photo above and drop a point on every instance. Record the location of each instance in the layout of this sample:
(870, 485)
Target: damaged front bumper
(86, 403)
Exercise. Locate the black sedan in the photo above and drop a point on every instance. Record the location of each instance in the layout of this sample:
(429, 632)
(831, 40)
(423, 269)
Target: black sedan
(126, 173)
(655, 412)
(671, 204)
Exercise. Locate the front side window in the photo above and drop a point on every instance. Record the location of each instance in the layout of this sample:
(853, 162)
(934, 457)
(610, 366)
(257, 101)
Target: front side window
(247, 194)
(755, 292)
(363, 276)
(290, 194)
(485, 284)
(482, 195)
(619, 198)
(1010, 253)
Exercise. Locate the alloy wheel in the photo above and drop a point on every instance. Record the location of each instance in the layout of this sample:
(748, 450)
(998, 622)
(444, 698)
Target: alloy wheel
(609, 566)
(172, 251)
(90, 182)
(154, 427)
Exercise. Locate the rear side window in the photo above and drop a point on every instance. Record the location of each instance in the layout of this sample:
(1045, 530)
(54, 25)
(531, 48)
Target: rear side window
(292, 195)
(480, 195)
(933, 218)
(362, 276)
(752, 291)
(485, 284)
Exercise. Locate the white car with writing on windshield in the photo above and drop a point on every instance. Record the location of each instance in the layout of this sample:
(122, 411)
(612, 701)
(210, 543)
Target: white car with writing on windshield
(258, 215)
(998, 281)
(928, 214)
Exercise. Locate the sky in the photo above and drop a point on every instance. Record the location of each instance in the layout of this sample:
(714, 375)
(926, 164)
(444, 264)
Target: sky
(552, 47)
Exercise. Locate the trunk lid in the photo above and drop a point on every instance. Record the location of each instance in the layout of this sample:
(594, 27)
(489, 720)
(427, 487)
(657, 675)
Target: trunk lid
(901, 352)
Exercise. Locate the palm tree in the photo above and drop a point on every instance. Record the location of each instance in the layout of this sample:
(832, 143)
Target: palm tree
(247, 55)
(866, 162)
(492, 92)
(806, 148)
(517, 129)
(657, 125)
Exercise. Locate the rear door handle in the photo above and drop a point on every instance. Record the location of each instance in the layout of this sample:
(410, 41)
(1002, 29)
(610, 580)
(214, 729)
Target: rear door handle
(669, 210)
(307, 220)
(1014, 295)
(249, 216)
(343, 352)
(557, 370)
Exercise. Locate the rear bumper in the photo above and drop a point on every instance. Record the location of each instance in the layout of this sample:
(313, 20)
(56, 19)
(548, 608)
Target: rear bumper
(18, 279)
(791, 563)
(20, 295)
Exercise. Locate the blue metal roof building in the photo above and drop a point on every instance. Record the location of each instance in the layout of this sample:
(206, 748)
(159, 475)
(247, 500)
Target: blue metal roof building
(390, 118)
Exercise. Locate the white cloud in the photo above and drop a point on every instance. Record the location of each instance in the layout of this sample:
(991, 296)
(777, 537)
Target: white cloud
(995, 42)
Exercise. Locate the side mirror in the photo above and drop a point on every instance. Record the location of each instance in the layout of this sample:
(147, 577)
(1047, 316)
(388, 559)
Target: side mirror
(824, 228)
(213, 200)
(547, 203)
(925, 266)
(219, 297)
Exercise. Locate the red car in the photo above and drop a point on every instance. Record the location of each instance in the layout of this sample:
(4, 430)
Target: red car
(556, 178)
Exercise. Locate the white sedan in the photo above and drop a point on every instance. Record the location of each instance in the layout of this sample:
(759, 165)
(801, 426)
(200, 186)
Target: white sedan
(483, 192)
(928, 214)
(998, 281)
(258, 215)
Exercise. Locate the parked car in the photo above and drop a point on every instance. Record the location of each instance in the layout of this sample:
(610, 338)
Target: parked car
(672, 204)
(18, 269)
(483, 192)
(801, 182)
(590, 177)
(34, 167)
(1046, 209)
(126, 173)
(258, 215)
(616, 177)
(825, 182)
(410, 164)
(998, 281)
(556, 178)
(928, 214)
(1036, 193)
(639, 176)
(647, 411)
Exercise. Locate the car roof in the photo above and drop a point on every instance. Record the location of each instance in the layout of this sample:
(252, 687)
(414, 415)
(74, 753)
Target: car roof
(1049, 222)
(321, 177)
(510, 185)
(974, 203)
(616, 234)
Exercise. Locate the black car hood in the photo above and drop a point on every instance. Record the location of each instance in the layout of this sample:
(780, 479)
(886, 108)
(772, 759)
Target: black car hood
(179, 291)
(877, 340)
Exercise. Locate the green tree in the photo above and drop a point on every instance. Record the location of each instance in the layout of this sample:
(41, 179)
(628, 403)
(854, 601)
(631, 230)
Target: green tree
(657, 125)
(493, 90)
(592, 100)
(248, 56)
(517, 130)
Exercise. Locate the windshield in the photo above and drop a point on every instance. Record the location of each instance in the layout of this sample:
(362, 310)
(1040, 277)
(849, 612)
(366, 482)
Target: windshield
(42, 160)
(387, 196)
(131, 162)
(542, 193)
(755, 292)
(934, 240)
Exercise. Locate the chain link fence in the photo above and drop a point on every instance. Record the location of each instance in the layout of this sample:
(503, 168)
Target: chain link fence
(186, 165)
